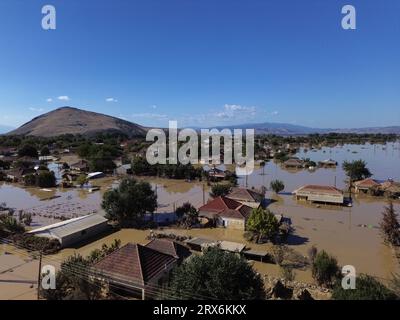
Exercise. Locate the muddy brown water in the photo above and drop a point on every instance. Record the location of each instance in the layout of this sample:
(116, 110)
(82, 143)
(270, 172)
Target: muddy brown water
(350, 234)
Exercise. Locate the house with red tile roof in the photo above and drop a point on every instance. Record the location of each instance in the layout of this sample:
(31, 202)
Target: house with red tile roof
(226, 212)
(321, 194)
(366, 185)
(138, 270)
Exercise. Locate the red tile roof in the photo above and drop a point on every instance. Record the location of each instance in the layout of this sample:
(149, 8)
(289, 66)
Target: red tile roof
(367, 183)
(134, 262)
(228, 208)
(170, 247)
(320, 189)
(243, 194)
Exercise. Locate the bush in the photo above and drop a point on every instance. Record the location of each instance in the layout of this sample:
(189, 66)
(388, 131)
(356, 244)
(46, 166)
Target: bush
(217, 275)
(263, 223)
(277, 186)
(367, 288)
(325, 269)
(46, 179)
(218, 190)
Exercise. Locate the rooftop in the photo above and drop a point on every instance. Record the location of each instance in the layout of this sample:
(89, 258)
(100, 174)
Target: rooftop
(135, 263)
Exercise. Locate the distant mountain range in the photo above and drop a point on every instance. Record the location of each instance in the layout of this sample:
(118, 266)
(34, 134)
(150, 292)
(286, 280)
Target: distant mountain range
(291, 129)
(5, 129)
(76, 121)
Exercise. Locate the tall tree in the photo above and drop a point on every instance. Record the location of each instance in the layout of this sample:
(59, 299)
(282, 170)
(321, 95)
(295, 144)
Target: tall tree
(263, 223)
(390, 226)
(356, 170)
(129, 203)
(277, 186)
(217, 275)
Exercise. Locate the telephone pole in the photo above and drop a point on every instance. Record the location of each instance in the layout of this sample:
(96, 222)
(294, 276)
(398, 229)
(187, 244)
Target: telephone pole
(39, 273)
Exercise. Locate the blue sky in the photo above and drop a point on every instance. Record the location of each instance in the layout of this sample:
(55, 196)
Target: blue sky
(204, 62)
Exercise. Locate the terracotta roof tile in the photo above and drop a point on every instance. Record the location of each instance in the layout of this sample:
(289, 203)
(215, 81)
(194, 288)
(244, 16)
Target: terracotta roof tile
(134, 262)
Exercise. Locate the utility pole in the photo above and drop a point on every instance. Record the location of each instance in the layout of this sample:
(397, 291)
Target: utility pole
(204, 196)
(39, 273)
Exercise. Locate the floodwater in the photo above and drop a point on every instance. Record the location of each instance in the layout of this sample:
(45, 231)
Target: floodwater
(351, 234)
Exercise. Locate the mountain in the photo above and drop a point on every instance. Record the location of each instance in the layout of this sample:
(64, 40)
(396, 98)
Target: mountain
(291, 129)
(76, 121)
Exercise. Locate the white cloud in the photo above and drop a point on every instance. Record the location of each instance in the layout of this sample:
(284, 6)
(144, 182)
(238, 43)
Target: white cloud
(111, 99)
(155, 116)
(49, 100)
(274, 113)
(63, 98)
(36, 109)
(154, 106)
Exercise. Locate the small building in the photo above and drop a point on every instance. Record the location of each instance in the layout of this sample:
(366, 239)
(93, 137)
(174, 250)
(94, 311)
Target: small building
(198, 244)
(124, 169)
(391, 189)
(227, 213)
(321, 194)
(251, 198)
(73, 231)
(81, 165)
(48, 158)
(18, 174)
(366, 185)
(135, 270)
(294, 163)
(328, 163)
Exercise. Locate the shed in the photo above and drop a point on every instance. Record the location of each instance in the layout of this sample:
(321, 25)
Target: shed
(73, 231)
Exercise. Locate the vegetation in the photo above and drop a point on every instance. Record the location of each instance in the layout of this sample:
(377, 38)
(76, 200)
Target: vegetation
(129, 203)
(277, 186)
(390, 226)
(217, 275)
(44, 179)
(263, 223)
(356, 170)
(367, 288)
(140, 166)
(325, 269)
(220, 189)
(28, 151)
(187, 214)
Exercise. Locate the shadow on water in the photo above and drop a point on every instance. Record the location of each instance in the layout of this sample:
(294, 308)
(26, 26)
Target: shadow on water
(296, 240)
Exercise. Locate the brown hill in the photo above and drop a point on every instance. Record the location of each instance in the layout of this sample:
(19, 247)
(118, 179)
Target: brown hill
(75, 121)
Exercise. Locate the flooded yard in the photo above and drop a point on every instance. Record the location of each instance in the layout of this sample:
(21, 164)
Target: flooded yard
(349, 233)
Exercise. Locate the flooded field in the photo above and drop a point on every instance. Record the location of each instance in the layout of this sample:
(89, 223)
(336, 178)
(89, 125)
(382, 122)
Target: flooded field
(349, 233)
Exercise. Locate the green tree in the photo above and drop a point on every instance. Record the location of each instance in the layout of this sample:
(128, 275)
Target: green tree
(263, 223)
(28, 151)
(390, 226)
(187, 214)
(45, 151)
(325, 269)
(46, 179)
(129, 203)
(277, 186)
(367, 288)
(356, 170)
(81, 180)
(217, 275)
(218, 190)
